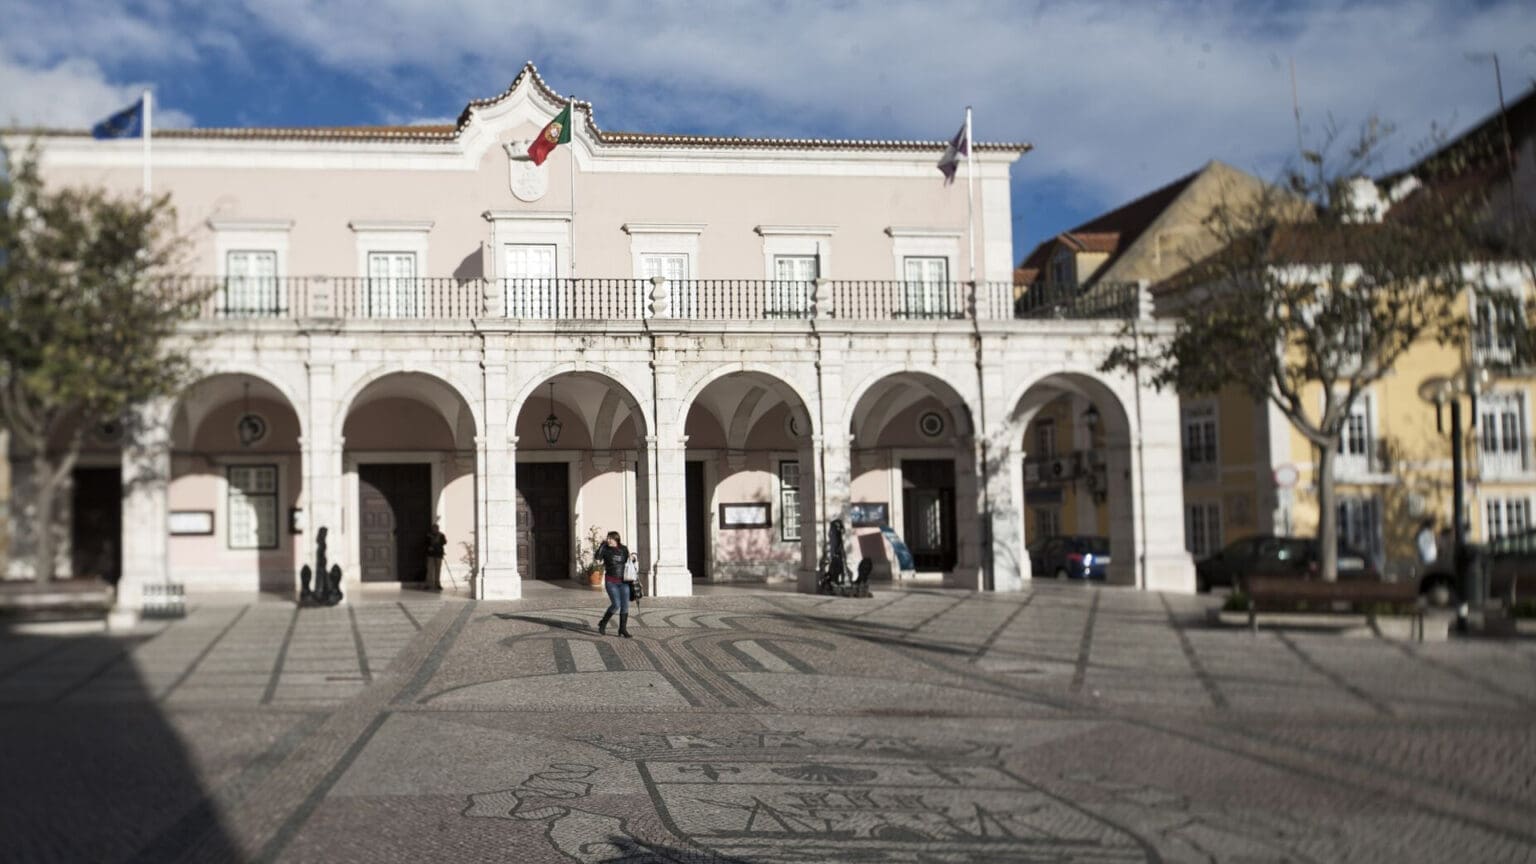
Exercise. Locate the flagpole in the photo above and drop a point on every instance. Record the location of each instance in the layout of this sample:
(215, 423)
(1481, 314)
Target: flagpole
(571, 103)
(148, 125)
(970, 193)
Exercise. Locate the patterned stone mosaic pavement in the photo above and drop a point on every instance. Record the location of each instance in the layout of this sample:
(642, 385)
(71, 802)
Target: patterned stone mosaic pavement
(1063, 724)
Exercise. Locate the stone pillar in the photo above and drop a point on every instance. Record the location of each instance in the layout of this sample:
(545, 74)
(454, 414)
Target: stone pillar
(968, 522)
(496, 526)
(1158, 485)
(322, 450)
(809, 455)
(670, 574)
(1004, 480)
(834, 482)
(496, 541)
(146, 476)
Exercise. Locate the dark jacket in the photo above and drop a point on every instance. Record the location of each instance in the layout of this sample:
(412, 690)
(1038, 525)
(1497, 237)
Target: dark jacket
(613, 559)
(436, 544)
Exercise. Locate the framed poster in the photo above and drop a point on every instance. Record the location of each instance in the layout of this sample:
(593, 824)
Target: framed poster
(752, 514)
(868, 514)
(191, 522)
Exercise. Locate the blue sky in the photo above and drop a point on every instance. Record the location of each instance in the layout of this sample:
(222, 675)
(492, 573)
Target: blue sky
(1118, 98)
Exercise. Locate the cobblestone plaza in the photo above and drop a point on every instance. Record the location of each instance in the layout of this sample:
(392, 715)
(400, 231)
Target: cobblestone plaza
(1060, 724)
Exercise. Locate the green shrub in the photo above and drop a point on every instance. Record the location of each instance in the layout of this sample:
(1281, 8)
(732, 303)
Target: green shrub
(1237, 602)
(1523, 609)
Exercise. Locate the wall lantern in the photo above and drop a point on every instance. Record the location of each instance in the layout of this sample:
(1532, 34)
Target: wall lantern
(1091, 417)
(551, 424)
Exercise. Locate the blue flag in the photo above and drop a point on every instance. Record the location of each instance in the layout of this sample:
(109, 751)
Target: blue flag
(127, 123)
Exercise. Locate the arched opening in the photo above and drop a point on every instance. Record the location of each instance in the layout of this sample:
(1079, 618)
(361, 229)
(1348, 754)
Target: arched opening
(1078, 512)
(237, 479)
(748, 469)
(913, 480)
(408, 459)
(580, 473)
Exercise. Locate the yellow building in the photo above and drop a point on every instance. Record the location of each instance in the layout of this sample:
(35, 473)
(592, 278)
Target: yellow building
(1246, 470)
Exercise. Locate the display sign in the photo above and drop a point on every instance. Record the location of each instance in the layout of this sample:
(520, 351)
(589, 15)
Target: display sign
(191, 522)
(746, 515)
(868, 514)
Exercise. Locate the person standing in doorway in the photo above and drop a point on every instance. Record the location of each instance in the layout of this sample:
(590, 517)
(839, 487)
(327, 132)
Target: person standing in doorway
(614, 555)
(437, 544)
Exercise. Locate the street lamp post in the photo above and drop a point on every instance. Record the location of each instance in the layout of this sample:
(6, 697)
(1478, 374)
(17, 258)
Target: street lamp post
(1440, 390)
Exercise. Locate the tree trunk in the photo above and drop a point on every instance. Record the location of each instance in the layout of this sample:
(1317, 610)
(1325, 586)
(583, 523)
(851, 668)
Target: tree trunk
(45, 484)
(1327, 514)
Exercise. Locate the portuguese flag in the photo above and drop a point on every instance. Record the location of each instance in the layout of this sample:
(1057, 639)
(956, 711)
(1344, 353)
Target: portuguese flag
(555, 133)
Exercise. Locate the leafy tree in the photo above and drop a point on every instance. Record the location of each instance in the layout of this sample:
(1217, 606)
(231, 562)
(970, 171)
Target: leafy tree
(87, 316)
(1322, 282)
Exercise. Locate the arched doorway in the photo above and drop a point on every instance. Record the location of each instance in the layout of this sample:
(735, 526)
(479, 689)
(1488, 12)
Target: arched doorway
(1077, 490)
(408, 458)
(748, 468)
(580, 473)
(913, 480)
(237, 479)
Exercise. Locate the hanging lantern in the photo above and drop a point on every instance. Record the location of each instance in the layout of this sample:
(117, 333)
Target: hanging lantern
(552, 423)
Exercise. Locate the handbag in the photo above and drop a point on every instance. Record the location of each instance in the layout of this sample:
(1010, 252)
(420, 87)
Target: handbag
(635, 591)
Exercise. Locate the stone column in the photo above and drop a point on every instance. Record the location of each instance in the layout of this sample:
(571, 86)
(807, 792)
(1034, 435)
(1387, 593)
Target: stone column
(496, 544)
(671, 576)
(1158, 485)
(322, 450)
(809, 455)
(968, 523)
(1004, 480)
(496, 529)
(146, 477)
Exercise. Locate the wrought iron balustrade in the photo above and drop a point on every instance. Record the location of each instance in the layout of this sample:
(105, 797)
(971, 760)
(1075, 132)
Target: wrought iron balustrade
(599, 299)
(1120, 301)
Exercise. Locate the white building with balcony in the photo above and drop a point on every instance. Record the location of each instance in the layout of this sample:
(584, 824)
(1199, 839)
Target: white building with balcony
(713, 345)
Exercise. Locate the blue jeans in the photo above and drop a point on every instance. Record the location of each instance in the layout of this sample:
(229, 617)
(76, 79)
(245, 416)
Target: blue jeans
(618, 597)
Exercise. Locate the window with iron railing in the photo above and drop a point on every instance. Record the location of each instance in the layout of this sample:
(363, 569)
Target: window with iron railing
(250, 288)
(927, 287)
(392, 288)
(252, 506)
(1505, 517)
(794, 282)
(532, 291)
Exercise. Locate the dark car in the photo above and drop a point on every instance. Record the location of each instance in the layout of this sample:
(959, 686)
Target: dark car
(1269, 555)
(1070, 557)
(1508, 564)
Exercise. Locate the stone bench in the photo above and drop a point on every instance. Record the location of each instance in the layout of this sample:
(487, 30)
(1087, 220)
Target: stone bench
(1276, 593)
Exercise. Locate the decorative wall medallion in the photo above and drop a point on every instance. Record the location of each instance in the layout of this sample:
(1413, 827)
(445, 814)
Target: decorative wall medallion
(250, 429)
(791, 425)
(529, 181)
(110, 432)
(931, 424)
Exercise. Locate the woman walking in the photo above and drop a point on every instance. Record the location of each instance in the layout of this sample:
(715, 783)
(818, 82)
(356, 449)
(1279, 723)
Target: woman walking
(613, 555)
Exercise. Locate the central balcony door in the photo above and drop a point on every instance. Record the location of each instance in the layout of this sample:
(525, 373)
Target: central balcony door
(533, 291)
(393, 291)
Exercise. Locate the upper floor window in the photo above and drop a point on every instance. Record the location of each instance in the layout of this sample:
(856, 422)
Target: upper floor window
(1358, 451)
(1202, 528)
(1045, 439)
(392, 290)
(250, 286)
(1496, 323)
(1506, 516)
(530, 285)
(794, 283)
(1501, 434)
(1063, 273)
(927, 293)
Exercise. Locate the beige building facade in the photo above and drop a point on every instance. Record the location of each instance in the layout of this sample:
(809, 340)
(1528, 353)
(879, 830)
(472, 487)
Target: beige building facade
(715, 346)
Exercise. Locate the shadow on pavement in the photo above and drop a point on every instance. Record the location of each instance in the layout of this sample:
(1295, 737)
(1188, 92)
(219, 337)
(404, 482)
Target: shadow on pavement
(93, 770)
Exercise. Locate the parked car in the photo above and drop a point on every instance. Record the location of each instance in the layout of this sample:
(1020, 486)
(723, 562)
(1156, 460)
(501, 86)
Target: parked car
(1070, 557)
(1270, 555)
(1508, 564)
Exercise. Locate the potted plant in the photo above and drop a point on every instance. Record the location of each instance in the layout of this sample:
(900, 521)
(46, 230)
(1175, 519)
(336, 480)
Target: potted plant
(588, 565)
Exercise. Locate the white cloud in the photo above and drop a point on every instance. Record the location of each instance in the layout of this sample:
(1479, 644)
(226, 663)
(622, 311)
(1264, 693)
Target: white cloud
(1120, 97)
(70, 94)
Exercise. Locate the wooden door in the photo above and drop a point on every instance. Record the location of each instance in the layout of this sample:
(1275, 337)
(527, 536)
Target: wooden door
(543, 521)
(395, 503)
(696, 513)
(96, 548)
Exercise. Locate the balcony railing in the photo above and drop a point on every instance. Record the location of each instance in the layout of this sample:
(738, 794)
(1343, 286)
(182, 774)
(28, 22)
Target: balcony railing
(1504, 458)
(1117, 301)
(360, 297)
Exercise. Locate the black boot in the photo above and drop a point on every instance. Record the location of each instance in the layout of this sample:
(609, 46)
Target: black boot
(624, 625)
(602, 626)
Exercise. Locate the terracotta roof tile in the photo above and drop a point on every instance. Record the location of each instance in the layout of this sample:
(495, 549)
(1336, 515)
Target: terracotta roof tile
(445, 133)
